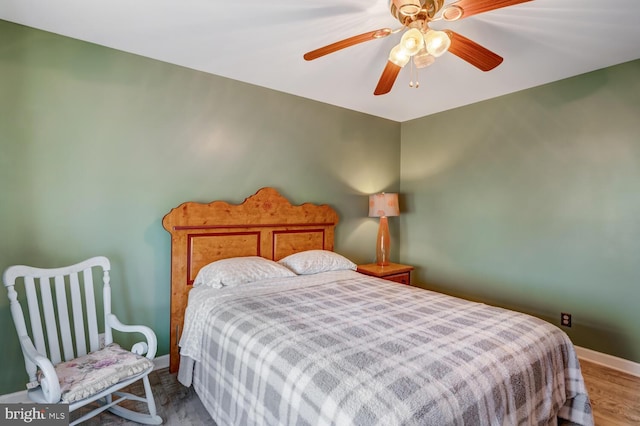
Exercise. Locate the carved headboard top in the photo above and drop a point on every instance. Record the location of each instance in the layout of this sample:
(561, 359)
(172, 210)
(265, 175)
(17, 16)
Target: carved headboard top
(265, 207)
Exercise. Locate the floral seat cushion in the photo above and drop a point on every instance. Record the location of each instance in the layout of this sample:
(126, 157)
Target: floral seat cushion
(90, 374)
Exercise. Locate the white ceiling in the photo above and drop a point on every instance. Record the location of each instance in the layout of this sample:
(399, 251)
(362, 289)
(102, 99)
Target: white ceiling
(262, 43)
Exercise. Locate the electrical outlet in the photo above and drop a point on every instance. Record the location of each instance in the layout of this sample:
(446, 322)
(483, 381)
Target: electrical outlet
(565, 319)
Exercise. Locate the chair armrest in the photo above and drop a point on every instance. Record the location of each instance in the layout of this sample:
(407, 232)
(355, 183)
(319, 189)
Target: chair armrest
(152, 341)
(49, 383)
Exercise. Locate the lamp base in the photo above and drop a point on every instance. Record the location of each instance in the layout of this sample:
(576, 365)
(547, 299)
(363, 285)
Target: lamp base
(383, 242)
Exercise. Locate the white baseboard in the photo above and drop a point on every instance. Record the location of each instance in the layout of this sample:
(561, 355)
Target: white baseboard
(15, 398)
(21, 396)
(609, 361)
(161, 362)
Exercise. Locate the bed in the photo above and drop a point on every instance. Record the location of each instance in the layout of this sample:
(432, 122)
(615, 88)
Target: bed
(271, 327)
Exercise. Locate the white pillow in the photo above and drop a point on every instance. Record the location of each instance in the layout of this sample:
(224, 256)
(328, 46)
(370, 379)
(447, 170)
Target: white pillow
(316, 261)
(239, 270)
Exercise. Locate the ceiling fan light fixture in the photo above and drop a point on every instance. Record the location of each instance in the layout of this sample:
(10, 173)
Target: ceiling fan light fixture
(437, 42)
(399, 56)
(423, 59)
(422, 44)
(412, 41)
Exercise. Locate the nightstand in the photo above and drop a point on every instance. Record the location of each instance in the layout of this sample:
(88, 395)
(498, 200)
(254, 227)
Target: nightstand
(392, 272)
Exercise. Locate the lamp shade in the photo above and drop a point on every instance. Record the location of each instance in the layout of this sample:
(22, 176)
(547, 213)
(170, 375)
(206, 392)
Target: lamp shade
(437, 42)
(423, 59)
(412, 41)
(383, 204)
(399, 56)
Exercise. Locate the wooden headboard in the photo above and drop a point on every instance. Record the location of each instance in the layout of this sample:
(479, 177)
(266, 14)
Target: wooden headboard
(266, 224)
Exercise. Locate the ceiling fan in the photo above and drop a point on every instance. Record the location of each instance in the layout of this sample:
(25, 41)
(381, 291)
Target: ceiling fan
(421, 43)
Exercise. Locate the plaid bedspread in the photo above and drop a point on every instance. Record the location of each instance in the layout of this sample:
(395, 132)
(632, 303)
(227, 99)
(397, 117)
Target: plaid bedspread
(347, 349)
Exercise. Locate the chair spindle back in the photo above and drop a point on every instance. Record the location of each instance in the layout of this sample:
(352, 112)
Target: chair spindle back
(67, 326)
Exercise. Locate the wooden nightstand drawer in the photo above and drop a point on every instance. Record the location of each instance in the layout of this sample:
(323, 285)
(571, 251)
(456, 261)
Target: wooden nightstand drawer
(404, 278)
(393, 272)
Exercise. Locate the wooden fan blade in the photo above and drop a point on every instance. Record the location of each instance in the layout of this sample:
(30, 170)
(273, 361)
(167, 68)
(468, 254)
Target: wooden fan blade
(347, 42)
(473, 7)
(387, 78)
(472, 52)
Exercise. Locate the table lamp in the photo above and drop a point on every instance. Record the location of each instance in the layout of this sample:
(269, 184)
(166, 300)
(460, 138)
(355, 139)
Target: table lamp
(383, 205)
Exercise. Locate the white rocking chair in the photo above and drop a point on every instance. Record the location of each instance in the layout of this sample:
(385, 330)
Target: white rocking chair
(86, 371)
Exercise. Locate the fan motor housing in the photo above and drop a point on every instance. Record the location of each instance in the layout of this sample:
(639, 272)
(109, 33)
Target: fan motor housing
(428, 9)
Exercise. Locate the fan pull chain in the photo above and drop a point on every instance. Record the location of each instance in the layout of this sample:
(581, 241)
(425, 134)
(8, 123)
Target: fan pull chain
(411, 83)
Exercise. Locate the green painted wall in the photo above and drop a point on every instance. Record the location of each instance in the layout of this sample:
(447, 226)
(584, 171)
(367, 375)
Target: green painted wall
(532, 201)
(97, 145)
(528, 201)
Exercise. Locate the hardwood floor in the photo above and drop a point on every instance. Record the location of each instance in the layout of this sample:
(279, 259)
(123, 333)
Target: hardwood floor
(615, 398)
